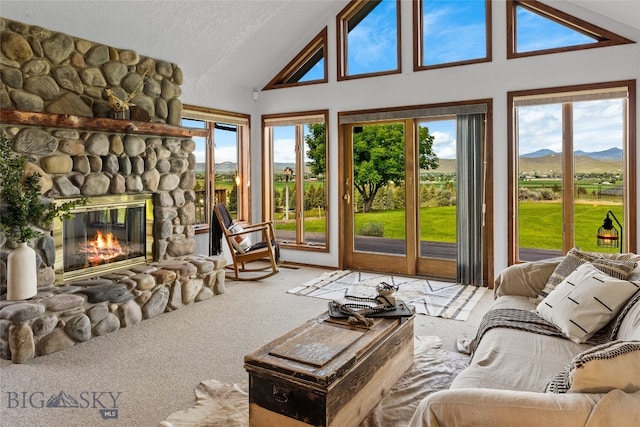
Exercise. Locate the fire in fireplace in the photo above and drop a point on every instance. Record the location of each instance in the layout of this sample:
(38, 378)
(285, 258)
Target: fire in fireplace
(102, 249)
(110, 232)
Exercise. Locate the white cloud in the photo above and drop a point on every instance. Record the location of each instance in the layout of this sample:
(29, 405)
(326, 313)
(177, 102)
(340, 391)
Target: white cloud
(453, 31)
(444, 145)
(284, 150)
(597, 126)
(226, 154)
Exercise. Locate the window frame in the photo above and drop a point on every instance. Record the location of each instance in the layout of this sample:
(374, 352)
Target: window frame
(242, 121)
(629, 161)
(289, 119)
(418, 37)
(602, 37)
(283, 78)
(342, 24)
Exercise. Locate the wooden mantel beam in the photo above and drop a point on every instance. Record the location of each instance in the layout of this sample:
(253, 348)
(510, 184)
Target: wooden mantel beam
(31, 118)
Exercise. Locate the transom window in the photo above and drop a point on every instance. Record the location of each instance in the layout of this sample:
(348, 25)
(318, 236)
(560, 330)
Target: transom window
(369, 38)
(308, 67)
(451, 32)
(535, 29)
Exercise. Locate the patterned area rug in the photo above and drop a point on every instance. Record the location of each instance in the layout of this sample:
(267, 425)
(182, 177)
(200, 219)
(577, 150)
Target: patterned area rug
(430, 297)
(227, 405)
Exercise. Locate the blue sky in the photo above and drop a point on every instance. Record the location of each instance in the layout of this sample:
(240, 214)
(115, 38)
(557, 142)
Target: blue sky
(372, 44)
(530, 26)
(453, 31)
(315, 73)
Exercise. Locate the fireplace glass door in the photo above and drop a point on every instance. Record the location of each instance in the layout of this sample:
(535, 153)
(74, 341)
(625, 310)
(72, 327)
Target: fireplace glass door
(108, 233)
(103, 236)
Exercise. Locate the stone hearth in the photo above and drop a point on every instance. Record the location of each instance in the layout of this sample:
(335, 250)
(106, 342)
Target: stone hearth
(59, 317)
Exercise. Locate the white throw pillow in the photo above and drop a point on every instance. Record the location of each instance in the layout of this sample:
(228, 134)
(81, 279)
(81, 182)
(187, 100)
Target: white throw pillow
(240, 243)
(600, 369)
(585, 301)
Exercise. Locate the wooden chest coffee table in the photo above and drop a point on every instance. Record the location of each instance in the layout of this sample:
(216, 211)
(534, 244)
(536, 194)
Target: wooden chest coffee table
(327, 372)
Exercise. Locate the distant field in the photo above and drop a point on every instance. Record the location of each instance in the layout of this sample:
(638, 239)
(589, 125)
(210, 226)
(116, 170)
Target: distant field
(541, 226)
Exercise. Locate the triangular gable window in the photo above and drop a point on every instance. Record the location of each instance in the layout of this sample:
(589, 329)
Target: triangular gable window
(308, 67)
(536, 29)
(368, 39)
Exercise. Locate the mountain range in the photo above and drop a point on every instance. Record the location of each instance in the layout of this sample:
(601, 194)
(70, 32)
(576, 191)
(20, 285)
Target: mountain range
(549, 162)
(543, 160)
(609, 154)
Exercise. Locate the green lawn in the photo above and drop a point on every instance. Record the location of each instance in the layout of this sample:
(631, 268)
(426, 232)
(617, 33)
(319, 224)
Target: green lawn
(541, 226)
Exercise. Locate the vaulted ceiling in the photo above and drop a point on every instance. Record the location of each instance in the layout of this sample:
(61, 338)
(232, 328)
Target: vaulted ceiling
(241, 43)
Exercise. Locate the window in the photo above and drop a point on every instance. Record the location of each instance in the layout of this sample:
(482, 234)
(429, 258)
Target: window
(450, 32)
(535, 28)
(369, 38)
(309, 66)
(295, 187)
(572, 162)
(222, 162)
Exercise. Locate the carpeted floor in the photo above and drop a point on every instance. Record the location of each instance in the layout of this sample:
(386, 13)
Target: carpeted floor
(226, 405)
(156, 365)
(431, 297)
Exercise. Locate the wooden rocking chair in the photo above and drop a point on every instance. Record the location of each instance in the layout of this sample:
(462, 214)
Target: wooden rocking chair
(242, 250)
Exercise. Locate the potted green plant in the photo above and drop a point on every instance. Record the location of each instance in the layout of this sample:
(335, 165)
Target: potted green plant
(22, 208)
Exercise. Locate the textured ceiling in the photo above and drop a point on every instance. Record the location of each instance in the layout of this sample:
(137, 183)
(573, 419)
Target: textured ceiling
(241, 43)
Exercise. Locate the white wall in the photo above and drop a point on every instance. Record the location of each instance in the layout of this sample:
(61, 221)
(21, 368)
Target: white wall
(487, 80)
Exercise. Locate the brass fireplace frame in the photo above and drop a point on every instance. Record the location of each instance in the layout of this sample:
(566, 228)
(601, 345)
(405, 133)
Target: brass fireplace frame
(102, 202)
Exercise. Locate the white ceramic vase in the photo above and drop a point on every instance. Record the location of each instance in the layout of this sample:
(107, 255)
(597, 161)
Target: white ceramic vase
(22, 274)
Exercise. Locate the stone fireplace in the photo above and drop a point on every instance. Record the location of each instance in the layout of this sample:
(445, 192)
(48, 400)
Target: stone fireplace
(137, 173)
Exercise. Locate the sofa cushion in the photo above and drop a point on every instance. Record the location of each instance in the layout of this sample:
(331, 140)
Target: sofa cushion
(512, 359)
(600, 369)
(585, 301)
(525, 279)
(619, 267)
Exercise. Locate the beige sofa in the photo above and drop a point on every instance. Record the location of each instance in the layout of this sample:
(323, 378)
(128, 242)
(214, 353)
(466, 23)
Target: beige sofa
(507, 381)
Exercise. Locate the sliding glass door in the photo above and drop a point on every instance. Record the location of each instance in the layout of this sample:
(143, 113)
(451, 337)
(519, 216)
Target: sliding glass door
(407, 207)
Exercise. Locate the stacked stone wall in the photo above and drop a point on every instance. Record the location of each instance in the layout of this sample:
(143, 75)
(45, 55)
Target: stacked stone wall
(50, 72)
(47, 71)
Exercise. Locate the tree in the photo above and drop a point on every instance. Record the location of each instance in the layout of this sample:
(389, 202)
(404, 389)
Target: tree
(317, 143)
(378, 158)
(233, 198)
